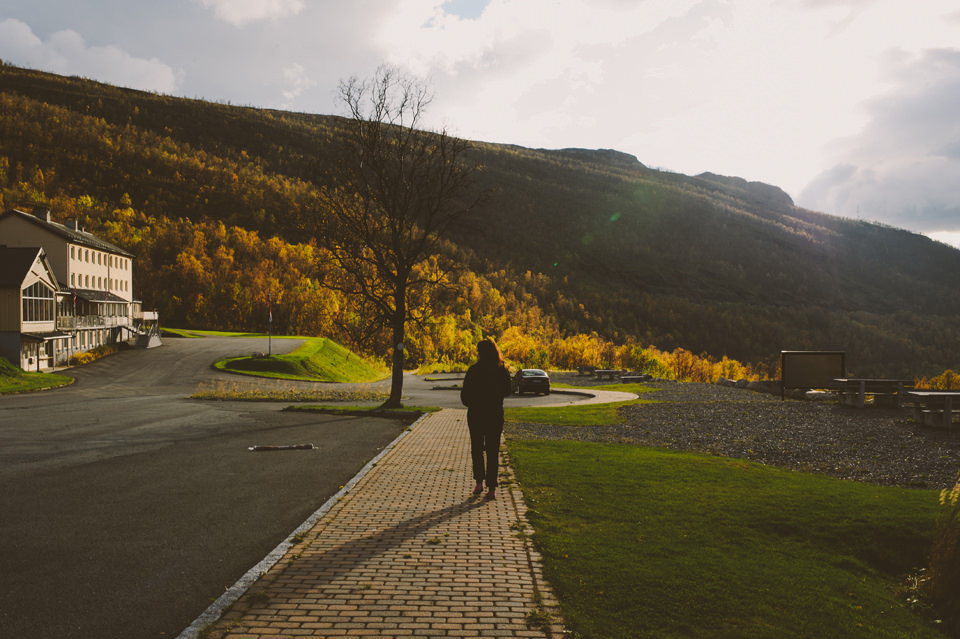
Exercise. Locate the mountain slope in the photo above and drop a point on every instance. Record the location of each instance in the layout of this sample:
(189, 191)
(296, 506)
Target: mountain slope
(710, 263)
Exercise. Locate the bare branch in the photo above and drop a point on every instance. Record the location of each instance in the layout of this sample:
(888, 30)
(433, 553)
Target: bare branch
(397, 190)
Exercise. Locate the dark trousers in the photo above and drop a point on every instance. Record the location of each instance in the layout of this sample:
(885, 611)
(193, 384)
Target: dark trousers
(485, 449)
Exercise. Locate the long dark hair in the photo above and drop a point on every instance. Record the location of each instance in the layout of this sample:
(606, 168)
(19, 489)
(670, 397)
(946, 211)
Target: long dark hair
(488, 354)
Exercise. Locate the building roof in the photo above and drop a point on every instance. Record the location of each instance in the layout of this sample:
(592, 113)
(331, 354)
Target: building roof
(90, 295)
(67, 232)
(15, 263)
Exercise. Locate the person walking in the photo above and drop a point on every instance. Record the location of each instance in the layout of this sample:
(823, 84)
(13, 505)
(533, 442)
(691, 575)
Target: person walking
(485, 385)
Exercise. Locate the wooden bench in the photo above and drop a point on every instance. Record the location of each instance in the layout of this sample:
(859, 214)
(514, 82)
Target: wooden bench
(885, 392)
(933, 408)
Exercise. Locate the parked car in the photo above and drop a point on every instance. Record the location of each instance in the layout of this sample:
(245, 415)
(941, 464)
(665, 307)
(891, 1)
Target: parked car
(531, 380)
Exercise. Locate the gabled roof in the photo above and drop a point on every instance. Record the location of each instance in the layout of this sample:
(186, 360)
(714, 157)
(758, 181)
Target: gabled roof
(75, 236)
(15, 264)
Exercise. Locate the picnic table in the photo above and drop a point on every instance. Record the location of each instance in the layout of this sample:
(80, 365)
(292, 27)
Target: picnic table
(609, 373)
(853, 391)
(934, 408)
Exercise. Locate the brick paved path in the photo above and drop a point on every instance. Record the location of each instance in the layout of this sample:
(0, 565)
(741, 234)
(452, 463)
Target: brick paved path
(408, 552)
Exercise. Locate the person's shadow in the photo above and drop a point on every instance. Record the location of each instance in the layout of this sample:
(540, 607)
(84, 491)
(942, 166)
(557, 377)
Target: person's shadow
(331, 564)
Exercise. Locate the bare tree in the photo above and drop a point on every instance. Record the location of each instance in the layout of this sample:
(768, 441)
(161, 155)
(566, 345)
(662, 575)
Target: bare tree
(396, 191)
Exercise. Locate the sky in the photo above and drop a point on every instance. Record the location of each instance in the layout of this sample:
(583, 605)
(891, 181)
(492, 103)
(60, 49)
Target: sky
(850, 106)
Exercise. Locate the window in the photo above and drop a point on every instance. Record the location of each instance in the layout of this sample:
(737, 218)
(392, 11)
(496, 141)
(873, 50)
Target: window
(38, 303)
(73, 252)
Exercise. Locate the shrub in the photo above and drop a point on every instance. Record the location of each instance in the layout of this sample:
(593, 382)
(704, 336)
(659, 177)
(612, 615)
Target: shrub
(82, 358)
(94, 354)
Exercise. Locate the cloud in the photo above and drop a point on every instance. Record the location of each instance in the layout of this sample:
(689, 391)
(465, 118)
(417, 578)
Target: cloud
(528, 71)
(902, 168)
(296, 81)
(242, 12)
(66, 53)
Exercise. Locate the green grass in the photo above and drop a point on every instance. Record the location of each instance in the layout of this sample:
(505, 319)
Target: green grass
(179, 332)
(641, 542)
(582, 415)
(317, 359)
(16, 380)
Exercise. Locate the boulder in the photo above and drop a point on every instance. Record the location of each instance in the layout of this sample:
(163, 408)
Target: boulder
(771, 386)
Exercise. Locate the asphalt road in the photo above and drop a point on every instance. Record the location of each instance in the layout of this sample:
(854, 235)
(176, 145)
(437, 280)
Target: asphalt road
(126, 508)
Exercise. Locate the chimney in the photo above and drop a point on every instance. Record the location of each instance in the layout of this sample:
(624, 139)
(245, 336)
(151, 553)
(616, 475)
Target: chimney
(71, 224)
(43, 214)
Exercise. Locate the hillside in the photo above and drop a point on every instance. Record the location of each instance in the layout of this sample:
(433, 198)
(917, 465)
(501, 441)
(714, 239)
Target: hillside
(214, 200)
(720, 265)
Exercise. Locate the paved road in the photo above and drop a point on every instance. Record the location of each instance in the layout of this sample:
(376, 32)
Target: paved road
(439, 390)
(126, 508)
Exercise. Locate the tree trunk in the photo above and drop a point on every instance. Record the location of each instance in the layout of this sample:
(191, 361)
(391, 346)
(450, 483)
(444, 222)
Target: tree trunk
(398, 324)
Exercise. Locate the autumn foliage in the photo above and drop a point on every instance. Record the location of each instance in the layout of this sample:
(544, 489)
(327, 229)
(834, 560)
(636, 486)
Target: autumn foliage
(580, 258)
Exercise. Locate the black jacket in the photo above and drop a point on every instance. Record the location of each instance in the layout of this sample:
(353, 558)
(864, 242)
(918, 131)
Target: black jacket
(484, 388)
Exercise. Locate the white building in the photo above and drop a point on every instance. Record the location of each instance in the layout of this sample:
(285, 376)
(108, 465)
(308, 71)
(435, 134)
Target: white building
(93, 282)
(30, 299)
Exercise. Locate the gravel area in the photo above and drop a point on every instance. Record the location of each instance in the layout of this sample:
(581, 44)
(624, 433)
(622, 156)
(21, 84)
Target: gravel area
(875, 445)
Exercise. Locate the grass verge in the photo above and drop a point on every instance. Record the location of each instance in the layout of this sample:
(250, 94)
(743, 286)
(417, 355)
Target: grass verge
(261, 391)
(448, 368)
(643, 542)
(16, 380)
(317, 359)
(194, 333)
(579, 415)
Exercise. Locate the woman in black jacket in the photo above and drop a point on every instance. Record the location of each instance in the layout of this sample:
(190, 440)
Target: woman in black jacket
(484, 386)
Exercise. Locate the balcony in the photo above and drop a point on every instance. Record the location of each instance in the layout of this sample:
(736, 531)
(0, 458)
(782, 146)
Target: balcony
(72, 323)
